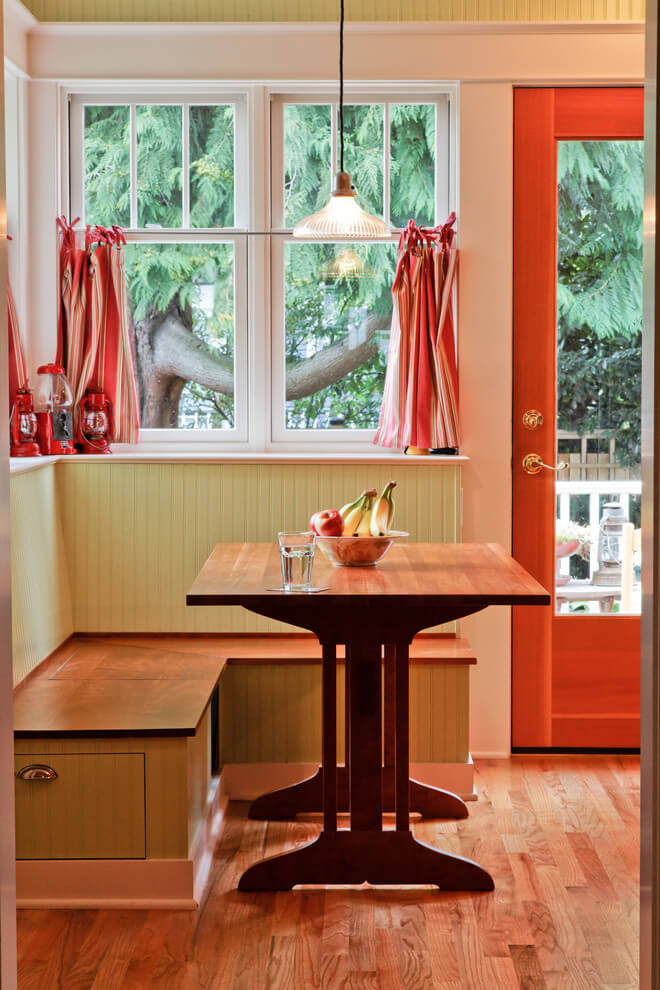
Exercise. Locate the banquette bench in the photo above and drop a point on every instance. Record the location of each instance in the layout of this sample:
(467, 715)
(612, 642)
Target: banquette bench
(119, 743)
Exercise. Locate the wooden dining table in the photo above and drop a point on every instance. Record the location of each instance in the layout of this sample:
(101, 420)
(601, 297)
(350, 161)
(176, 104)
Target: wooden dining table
(372, 611)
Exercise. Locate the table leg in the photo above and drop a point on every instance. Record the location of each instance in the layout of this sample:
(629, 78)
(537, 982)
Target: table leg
(329, 730)
(402, 738)
(364, 672)
(366, 852)
(307, 795)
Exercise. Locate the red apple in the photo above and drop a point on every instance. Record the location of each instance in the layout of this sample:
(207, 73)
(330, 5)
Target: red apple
(328, 522)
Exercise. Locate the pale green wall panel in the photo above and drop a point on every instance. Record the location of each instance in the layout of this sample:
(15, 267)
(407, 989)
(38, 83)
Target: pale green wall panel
(327, 10)
(144, 530)
(271, 713)
(41, 598)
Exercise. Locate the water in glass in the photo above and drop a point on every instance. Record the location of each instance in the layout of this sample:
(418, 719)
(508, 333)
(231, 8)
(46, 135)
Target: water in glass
(296, 557)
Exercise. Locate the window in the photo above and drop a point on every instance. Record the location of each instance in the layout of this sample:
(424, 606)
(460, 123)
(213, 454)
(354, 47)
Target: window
(243, 334)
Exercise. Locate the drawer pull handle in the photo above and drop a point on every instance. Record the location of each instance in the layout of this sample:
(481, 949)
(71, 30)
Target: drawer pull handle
(36, 771)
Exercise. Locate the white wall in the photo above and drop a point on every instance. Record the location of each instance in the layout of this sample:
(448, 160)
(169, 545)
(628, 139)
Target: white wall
(485, 307)
(488, 61)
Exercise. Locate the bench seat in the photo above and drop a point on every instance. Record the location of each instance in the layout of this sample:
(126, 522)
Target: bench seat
(94, 687)
(290, 647)
(126, 810)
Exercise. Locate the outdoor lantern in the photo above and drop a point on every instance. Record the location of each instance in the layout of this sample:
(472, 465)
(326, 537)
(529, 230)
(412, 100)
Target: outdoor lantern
(610, 537)
(341, 218)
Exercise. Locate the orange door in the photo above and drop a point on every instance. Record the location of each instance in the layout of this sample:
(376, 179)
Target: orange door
(576, 663)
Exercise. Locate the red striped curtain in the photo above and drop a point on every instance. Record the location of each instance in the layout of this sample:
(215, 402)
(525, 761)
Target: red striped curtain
(94, 335)
(17, 367)
(420, 398)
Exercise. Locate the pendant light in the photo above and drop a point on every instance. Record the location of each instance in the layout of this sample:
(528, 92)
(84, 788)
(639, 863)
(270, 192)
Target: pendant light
(342, 218)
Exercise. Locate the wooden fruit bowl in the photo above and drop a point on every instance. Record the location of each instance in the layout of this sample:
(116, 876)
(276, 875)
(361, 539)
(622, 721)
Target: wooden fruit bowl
(357, 551)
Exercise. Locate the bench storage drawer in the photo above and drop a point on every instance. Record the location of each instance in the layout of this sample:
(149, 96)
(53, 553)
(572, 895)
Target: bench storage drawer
(93, 809)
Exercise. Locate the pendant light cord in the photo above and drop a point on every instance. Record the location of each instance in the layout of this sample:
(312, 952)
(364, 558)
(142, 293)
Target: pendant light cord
(341, 85)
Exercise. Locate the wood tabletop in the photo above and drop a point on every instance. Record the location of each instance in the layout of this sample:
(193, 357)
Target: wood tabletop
(476, 574)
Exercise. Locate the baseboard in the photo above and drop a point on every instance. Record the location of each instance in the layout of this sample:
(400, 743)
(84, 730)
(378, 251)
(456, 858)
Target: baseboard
(105, 883)
(172, 884)
(246, 781)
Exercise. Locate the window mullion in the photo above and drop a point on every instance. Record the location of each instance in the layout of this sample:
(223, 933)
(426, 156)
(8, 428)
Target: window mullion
(185, 167)
(386, 163)
(133, 167)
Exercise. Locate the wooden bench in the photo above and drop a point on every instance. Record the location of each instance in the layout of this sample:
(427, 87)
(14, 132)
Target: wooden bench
(116, 799)
(134, 728)
(270, 710)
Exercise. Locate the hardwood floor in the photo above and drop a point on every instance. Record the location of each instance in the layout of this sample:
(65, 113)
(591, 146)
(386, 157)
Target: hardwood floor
(560, 836)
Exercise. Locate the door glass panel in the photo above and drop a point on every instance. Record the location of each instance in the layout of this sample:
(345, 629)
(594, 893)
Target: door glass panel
(599, 329)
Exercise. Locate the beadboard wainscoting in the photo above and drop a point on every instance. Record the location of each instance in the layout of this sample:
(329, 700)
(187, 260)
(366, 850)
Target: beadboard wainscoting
(272, 713)
(139, 533)
(113, 547)
(42, 615)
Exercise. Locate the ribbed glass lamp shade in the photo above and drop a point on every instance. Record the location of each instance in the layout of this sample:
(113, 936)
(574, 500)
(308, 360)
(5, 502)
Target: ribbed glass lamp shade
(342, 218)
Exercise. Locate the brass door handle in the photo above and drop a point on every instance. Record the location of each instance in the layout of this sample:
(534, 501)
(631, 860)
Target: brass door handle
(36, 771)
(532, 464)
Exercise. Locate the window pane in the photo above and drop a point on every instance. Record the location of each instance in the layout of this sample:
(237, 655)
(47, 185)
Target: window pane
(211, 166)
(412, 164)
(107, 142)
(338, 313)
(600, 187)
(307, 160)
(363, 153)
(182, 303)
(159, 157)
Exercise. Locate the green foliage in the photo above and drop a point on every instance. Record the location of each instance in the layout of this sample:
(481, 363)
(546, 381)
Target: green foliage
(198, 279)
(412, 164)
(307, 144)
(159, 165)
(321, 307)
(211, 166)
(599, 292)
(107, 166)
(324, 307)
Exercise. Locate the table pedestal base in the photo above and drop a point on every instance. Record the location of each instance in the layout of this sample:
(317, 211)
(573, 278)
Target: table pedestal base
(352, 857)
(307, 797)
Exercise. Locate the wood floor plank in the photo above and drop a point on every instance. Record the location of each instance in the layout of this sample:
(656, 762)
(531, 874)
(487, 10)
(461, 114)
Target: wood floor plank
(559, 834)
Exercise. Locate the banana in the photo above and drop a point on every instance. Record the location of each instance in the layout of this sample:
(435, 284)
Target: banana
(382, 512)
(345, 509)
(363, 527)
(353, 513)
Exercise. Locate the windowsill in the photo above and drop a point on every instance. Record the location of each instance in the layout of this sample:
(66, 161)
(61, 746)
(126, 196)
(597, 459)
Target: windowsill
(21, 465)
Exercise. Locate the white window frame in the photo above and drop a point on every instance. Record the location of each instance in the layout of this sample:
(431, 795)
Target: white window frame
(333, 439)
(258, 238)
(235, 235)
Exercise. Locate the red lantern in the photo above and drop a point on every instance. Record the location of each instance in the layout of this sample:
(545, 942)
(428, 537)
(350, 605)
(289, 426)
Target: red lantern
(97, 425)
(24, 426)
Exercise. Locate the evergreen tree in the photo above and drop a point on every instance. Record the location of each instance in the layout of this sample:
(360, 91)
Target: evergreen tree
(599, 292)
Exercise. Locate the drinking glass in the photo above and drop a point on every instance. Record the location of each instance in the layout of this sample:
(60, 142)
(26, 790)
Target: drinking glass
(296, 558)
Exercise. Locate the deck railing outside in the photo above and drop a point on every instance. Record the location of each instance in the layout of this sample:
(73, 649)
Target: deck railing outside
(582, 502)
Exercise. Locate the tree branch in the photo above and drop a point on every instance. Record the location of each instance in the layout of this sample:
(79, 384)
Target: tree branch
(178, 351)
(334, 362)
